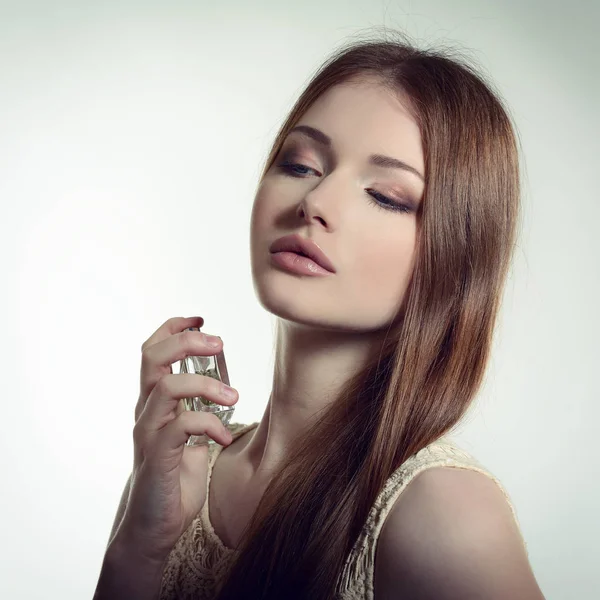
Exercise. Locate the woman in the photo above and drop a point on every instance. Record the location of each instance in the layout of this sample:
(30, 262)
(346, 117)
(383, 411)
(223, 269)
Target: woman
(397, 169)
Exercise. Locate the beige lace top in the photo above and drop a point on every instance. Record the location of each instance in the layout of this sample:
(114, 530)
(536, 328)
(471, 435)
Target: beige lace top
(198, 560)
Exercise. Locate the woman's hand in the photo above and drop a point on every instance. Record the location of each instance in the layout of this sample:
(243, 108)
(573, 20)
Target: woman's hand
(169, 479)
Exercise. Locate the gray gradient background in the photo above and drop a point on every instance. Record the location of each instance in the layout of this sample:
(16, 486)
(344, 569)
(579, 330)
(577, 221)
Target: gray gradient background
(131, 137)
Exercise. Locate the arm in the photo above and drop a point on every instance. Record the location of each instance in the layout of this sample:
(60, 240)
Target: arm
(127, 575)
(120, 510)
(451, 535)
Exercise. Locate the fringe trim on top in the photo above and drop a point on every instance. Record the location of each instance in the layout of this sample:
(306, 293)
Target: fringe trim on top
(357, 578)
(197, 564)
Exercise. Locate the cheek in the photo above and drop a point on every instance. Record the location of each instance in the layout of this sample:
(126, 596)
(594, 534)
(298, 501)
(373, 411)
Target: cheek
(263, 227)
(268, 203)
(382, 267)
(260, 220)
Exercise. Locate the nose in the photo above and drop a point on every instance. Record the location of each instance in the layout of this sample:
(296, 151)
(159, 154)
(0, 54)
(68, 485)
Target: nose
(314, 208)
(310, 213)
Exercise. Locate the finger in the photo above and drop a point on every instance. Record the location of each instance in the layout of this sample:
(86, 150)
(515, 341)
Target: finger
(164, 400)
(174, 435)
(180, 345)
(170, 327)
(158, 358)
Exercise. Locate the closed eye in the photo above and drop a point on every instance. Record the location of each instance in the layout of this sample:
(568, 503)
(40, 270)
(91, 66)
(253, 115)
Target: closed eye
(288, 167)
(377, 199)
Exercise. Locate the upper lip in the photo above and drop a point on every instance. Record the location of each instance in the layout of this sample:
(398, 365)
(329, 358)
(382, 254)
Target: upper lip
(296, 243)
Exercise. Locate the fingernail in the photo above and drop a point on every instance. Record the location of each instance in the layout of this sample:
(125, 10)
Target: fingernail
(213, 341)
(228, 392)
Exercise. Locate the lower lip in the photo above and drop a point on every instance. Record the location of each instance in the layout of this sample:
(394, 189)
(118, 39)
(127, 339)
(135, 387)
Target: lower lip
(298, 264)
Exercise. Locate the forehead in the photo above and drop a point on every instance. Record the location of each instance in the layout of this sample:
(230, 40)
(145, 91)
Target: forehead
(366, 117)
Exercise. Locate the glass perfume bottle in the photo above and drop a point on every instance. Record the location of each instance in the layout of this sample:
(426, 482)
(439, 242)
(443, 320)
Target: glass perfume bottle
(210, 366)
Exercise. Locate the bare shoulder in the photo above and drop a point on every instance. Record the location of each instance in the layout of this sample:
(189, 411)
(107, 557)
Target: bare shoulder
(451, 535)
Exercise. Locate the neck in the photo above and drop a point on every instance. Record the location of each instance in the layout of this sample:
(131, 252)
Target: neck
(311, 366)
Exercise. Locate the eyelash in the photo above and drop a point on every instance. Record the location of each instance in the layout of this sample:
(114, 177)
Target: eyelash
(378, 200)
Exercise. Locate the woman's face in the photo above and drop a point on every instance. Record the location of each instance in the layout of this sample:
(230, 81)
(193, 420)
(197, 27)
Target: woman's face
(338, 198)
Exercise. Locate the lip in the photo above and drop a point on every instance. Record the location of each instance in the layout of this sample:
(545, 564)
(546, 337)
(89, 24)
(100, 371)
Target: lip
(297, 243)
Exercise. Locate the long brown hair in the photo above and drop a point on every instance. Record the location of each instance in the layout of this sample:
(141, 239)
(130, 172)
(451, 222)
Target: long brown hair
(432, 363)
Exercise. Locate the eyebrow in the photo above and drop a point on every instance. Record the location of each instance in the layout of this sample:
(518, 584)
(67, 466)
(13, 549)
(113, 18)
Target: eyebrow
(379, 160)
